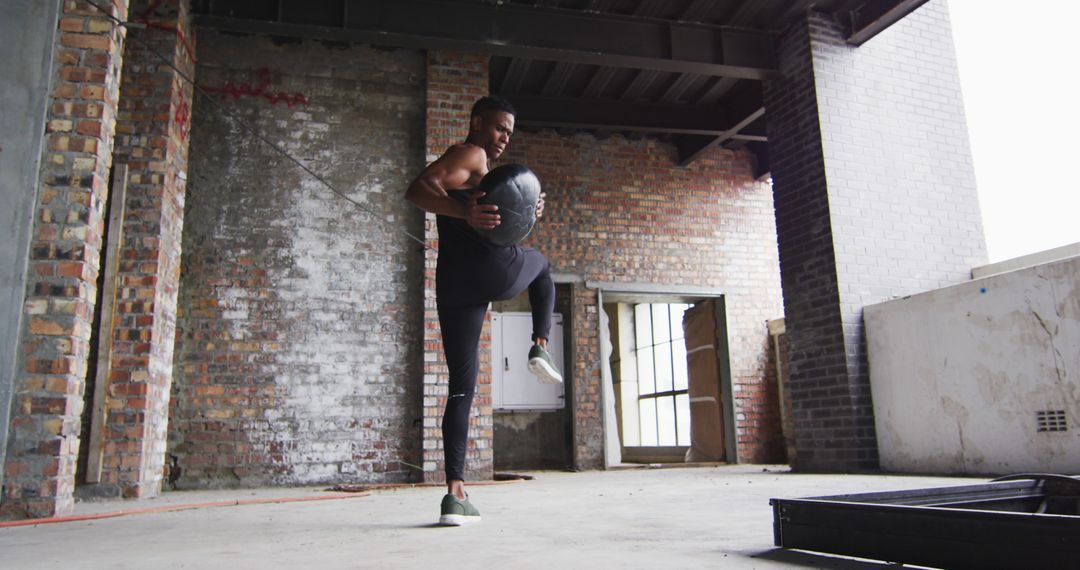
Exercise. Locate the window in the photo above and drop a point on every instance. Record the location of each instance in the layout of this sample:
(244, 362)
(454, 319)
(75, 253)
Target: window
(663, 402)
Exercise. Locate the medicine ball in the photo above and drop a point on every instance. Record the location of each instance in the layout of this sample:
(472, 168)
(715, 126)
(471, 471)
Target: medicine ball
(515, 190)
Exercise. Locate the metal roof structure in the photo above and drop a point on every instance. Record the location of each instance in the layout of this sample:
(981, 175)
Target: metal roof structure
(688, 72)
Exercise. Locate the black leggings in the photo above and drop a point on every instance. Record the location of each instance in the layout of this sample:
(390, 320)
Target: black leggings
(461, 315)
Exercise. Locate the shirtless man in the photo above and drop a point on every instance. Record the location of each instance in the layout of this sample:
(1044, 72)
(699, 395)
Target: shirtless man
(472, 272)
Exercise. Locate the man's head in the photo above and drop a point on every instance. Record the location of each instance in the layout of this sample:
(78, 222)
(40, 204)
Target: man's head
(491, 124)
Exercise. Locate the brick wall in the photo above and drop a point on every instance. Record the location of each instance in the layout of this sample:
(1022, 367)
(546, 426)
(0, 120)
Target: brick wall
(807, 261)
(297, 360)
(152, 139)
(454, 82)
(875, 198)
(618, 210)
(61, 285)
(901, 178)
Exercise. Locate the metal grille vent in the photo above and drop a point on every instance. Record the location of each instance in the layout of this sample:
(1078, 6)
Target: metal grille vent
(1051, 420)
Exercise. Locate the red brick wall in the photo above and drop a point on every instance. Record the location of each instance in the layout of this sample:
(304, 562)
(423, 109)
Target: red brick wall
(454, 82)
(620, 211)
(62, 281)
(152, 139)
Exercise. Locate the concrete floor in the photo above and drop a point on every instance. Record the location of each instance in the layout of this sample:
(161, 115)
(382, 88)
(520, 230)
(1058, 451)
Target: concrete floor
(715, 517)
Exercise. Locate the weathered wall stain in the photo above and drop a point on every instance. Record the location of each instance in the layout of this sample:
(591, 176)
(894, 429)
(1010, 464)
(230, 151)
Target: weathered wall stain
(1009, 341)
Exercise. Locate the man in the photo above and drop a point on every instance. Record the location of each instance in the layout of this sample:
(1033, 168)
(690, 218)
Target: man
(472, 272)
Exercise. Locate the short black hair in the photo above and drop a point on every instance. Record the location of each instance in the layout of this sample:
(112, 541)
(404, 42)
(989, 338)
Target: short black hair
(492, 103)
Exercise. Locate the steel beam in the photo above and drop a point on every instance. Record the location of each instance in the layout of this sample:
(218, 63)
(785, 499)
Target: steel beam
(742, 108)
(602, 114)
(599, 82)
(690, 151)
(531, 32)
(871, 18)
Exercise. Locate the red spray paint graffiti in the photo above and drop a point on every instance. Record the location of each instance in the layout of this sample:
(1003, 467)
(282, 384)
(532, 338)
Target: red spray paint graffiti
(259, 89)
(183, 113)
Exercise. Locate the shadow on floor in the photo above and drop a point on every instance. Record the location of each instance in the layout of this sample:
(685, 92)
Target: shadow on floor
(816, 560)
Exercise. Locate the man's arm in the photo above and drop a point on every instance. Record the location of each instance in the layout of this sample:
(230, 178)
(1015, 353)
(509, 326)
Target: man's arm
(451, 171)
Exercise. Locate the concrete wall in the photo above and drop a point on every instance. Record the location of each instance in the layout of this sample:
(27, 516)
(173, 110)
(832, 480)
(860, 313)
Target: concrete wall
(960, 374)
(1025, 261)
(28, 28)
(298, 360)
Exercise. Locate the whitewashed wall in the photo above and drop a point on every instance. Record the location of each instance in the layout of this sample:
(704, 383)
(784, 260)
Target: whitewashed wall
(960, 374)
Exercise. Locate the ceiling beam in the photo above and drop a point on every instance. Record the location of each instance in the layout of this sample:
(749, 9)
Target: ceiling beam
(599, 81)
(718, 89)
(641, 83)
(798, 8)
(698, 10)
(530, 32)
(556, 81)
(869, 19)
(603, 114)
(515, 75)
(721, 122)
(598, 5)
(742, 107)
(648, 8)
(690, 152)
(678, 88)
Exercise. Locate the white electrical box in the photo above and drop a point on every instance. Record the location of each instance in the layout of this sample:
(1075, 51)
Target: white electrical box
(513, 387)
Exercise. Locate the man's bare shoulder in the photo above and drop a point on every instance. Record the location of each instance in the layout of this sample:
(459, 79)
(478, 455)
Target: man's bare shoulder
(466, 152)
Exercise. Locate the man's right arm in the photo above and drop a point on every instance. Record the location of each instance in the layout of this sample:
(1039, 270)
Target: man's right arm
(451, 171)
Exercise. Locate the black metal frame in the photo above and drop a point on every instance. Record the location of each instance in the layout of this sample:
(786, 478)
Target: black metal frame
(1029, 523)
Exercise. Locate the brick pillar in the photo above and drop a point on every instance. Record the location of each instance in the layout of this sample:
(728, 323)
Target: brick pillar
(455, 81)
(152, 139)
(62, 282)
(875, 198)
(587, 403)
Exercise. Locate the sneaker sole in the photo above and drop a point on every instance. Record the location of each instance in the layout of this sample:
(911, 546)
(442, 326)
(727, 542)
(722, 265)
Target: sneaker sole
(458, 520)
(544, 372)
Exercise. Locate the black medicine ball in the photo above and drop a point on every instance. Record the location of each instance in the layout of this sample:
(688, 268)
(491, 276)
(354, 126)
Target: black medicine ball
(515, 190)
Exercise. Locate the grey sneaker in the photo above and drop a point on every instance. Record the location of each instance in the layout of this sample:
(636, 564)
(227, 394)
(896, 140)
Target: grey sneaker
(541, 364)
(458, 512)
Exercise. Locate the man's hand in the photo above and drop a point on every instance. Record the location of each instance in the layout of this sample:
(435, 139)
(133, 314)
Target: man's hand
(540, 205)
(482, 216)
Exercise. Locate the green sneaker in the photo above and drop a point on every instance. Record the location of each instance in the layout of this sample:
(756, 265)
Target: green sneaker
(458, 512)
(541, 364)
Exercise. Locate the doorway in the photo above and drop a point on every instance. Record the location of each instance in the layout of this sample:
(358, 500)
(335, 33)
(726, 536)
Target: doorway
(670, 377)
(532, 422)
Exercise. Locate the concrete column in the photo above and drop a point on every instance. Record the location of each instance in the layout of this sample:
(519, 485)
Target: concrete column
(875, 198)
(30, 29)
(61, 286)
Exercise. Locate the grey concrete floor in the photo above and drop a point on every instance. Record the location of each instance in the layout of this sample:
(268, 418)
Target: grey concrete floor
(701, 517)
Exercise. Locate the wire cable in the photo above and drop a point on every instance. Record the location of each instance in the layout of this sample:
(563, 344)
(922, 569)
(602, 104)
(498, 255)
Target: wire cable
(248, 128)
